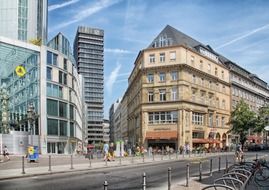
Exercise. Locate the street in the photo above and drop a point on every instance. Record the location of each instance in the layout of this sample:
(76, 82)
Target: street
(125, 177)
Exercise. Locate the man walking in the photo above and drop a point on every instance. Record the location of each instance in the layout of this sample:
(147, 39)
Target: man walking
(6, 153)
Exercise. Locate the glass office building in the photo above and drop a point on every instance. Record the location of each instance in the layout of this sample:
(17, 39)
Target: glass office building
(24, 19)
(47, 79)
(20, 90)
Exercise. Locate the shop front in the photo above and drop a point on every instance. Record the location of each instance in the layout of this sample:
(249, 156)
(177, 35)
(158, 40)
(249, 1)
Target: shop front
(161, 140)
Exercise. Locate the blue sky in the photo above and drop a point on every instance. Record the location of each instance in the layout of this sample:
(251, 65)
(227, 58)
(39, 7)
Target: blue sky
(239, 30)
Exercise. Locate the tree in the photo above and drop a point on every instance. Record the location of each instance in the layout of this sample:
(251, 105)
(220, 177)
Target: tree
(262, 119)
(242, 119)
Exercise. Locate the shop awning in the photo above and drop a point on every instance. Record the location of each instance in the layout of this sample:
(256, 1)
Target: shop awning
(161, 135)
(254, 137)
(212, 141)
(201, 141)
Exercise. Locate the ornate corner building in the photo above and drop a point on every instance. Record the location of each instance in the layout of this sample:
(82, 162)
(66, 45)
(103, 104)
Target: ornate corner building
(178, 94)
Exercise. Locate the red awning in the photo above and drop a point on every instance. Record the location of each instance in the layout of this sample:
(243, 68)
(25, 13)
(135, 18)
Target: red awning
(161, 135)
(90, 146)
(212, 141)
(254, 137)
(202, 141)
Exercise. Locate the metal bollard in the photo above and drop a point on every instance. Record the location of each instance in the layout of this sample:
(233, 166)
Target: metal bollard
(189, 154)
(153, 157)
(162, 157)
(105, 185)
(90, 162)
(183, 154)
(226, 170)
(49, 163)
(71, 162)
(256, 156)
(211, 161)
(143, 158)
(120, 160)
(106, 161)
(169, 155)
(169, 178)
(23, 171)
(200, 171)
(219, 163)
(187, 175)
(176, 155)
(144, 183)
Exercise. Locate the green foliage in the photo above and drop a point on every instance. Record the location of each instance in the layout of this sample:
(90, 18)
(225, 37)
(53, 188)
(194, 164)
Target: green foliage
(262, 120)
(242, 119)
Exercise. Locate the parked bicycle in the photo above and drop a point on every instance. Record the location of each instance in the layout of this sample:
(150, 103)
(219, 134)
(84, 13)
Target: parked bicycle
(261, 175)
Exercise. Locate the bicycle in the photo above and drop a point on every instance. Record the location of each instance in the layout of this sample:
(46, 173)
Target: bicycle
(261, 175)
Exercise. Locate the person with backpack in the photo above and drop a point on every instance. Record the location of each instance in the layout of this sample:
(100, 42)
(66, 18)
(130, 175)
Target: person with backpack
(239, 152)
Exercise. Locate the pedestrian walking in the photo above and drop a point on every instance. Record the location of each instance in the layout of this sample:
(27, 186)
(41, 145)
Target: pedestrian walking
(6, 153)
(105, 149)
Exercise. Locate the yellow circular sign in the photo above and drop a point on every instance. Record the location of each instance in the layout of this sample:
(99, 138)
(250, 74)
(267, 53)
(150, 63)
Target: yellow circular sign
(30, 150)
(20, 71)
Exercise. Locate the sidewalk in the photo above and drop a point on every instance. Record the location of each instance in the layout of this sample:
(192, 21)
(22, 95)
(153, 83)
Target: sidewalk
(34, 169)
(207, 180)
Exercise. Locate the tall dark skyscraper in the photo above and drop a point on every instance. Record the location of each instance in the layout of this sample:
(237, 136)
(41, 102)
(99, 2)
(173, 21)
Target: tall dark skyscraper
(89, 56)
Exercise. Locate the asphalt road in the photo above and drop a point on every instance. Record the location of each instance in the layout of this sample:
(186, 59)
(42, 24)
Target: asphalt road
(120, 178)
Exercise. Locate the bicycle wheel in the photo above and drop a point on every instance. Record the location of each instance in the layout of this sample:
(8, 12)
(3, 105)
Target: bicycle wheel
(261, 177)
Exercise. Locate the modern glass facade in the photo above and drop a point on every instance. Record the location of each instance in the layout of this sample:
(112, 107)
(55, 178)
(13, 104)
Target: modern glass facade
(24, 19)
(89, 56)
(21, 90)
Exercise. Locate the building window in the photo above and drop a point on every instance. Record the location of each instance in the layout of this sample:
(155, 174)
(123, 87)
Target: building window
(217, 102)
(63, 128)
(210, 100)
(71, 129)
(62, 109)
(150, 96)
(65, 64)
(49, 73)
(162, 77)
(217, 121)
(150, 78)
(202, 97)
(52, 127)
(52, 58)
(197, 118)
(209, 68)
(222, 74)
(71, 112)
(174, 93)
(162, 57)
(152, 58)
(193, 96)
(224, 89)
(210, 84)
(192, 60)
(216, 71)
(174, 75)
(163, 117)
(201, 64)
(162, 95)
(54, 90)
(198, 135)
(223, 121)
(210, 120)
(62, 78)
(223, 104)
(194, 79)
(202, 82)
(172, 56)
(52, 107)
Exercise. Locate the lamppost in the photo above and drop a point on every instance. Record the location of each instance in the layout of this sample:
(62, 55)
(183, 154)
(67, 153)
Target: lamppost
(31, 118)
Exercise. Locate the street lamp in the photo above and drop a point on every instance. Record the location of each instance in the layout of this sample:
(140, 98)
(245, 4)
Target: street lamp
(31, 119)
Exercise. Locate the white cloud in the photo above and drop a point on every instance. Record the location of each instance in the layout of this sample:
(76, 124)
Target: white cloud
(86, 12)
(58, 6)
(112, 78)
(119, 51)
(243, 36)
